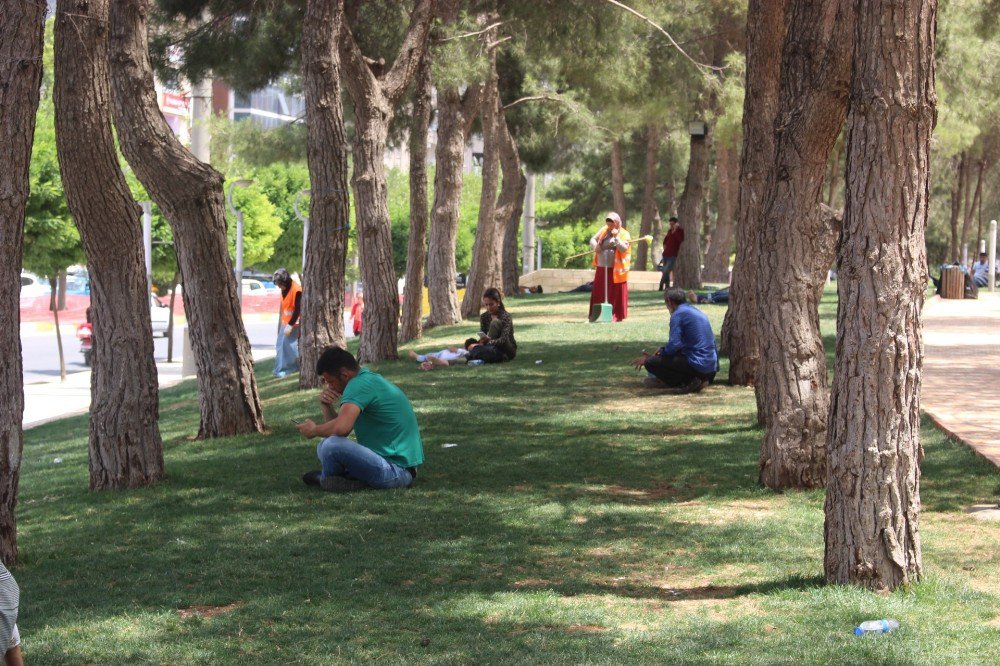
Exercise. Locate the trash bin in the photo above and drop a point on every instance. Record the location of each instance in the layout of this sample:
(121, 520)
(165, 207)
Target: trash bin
(952, 282)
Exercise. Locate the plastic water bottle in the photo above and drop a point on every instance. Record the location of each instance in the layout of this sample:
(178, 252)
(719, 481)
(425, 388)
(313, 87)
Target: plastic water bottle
(476, 361)
(876, 627)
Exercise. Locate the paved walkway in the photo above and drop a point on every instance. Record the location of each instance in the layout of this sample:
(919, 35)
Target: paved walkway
(53, 400)
(961, 378)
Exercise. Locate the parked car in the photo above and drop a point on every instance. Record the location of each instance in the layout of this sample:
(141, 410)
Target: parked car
(159, 315)
(32, 285)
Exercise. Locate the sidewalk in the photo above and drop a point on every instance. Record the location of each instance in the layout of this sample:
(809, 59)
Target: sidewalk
(961, 377)
(53, 400)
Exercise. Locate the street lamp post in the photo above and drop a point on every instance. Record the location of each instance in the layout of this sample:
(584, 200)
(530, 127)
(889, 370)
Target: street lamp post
(239, 234)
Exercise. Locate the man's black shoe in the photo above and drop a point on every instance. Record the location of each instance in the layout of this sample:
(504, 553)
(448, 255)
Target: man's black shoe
(340, 484)
(311, 478)
(694, 386)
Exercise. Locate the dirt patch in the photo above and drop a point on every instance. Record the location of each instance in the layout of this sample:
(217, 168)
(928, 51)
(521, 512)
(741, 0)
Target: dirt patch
(995, 622)
(660, 491)
(207, 611)
(585, 629)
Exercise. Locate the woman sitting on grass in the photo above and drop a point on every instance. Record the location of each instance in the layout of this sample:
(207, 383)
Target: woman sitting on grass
(496, 331)
(445, 357)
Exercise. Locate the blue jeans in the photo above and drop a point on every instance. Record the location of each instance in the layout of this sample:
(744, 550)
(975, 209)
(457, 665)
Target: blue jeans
(286, 350)
(341, 456)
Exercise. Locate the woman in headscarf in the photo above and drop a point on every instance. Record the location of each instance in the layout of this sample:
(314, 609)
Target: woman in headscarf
(612, 260)
(496, 331)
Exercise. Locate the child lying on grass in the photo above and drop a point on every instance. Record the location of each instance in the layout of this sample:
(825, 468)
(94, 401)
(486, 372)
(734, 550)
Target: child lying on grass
(445, 357)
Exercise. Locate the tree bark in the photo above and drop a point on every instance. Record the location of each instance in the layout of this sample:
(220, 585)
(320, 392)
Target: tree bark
(618, 179)
(125, 446)
(765, 37)
(726, 170)
(455, 113)
(970, 207)
(189, 192)
(510, 206)
(484, 271)
(687, 272)
(873, 496)
(643, 253)
(375, 98)
(797, 245)
(416, 249)
(21, 39)
(957, 191)
(329, 214)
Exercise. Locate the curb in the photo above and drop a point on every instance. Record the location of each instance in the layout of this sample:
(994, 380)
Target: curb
(939, 424)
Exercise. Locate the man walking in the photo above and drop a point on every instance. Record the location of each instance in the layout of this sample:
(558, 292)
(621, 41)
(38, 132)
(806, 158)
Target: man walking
(689, 360)
(671, 247)
(388, 449)
(287, 346)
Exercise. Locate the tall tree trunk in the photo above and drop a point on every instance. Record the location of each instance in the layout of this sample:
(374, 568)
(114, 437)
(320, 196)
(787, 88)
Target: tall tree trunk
(329, 214)
(125, 446)
(189, 192)
(970, 207)
(648, 195)
(618, 179)
(454, 112)
(416, 250)
(375, 95)
(726, 170)
(687, 272)
(765, 37)
(486, 252)
(21, 39)
(797, 245)
(510, 206)
(957, 191)
(873, 489)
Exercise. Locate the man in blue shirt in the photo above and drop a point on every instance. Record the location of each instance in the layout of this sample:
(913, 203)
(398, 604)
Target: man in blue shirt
(689, 360)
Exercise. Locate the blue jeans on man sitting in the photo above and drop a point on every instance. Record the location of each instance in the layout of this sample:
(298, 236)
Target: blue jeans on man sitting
(341, 456)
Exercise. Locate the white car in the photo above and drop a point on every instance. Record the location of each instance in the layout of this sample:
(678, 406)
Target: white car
(32, 285)
(159, 315)
(254, 287)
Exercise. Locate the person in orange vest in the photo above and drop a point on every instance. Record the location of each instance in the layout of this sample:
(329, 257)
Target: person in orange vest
(287, 346)
(612, 260)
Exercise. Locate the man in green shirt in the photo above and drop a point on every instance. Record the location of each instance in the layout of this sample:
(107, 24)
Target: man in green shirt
(388, 449)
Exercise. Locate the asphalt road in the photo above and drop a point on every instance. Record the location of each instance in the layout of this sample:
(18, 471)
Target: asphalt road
(41, 354)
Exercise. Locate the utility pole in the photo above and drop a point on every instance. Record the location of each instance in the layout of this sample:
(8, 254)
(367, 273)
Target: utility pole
(201, 113)
(528, 232)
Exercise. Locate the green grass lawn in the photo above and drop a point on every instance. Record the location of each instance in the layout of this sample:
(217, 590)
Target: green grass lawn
(579, 519)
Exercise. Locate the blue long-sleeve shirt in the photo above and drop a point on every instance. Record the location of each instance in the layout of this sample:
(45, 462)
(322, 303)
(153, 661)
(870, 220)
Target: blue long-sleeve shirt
(691, 336)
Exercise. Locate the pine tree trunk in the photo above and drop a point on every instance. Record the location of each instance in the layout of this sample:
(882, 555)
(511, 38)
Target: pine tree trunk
(618, 179)
(485, 269)
(970, 207)
(125, 446)
(416, 249)
(717, 257)
(643, 252)
(375, 95)
(765, 37)
(189, 193)
(21, 39)
(873, 496)
(797, 245)
(510, 206)
(687, 272)
(322, 323)
(957, 190)
(448, 154)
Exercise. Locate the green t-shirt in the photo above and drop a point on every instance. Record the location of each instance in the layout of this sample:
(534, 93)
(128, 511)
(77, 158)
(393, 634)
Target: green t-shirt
(386, 424)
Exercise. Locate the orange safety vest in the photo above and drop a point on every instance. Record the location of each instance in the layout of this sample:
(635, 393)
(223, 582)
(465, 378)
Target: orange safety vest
(623, 257)
(288, 302)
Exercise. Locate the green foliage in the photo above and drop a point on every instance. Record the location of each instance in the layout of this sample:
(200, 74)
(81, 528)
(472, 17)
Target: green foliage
(261, 224)
(561, 242)
(280, 183)
(579, 520)
(51, 240)
(244, 145)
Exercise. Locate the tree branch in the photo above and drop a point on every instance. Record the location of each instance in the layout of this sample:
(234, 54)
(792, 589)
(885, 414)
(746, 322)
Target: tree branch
(468, 34)
(411, 52)
(668, 35)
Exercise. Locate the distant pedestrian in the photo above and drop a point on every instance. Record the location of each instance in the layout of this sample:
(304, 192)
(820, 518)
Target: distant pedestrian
(357, 309)
(671, 248)
(287, 345)
(612, 248)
